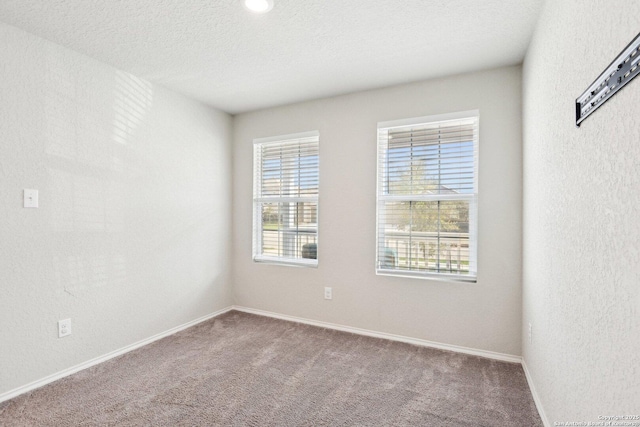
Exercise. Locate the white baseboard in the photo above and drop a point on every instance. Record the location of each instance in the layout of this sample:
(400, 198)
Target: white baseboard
(536, 397)
(66, 372)
(458, 349)
(425, 343)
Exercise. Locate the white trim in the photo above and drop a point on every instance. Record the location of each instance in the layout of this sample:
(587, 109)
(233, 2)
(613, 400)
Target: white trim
(536, 396)
(393, 337)
(279, 199)
(89, 363)
(282, 138)
(413, 274)
(291, 262)
(426, 119)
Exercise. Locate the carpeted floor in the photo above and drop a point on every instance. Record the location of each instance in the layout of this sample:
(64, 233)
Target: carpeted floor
(245, 370)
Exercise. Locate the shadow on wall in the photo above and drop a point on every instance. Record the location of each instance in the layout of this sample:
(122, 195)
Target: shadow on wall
(123, 192)
(88, 164)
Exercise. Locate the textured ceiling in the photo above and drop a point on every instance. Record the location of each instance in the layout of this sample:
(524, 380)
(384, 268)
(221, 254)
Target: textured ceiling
(217, 52)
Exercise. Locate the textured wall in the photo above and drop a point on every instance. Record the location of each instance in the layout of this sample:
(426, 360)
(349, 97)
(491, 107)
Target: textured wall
(581, 230)
(132, 234)
(485, 315)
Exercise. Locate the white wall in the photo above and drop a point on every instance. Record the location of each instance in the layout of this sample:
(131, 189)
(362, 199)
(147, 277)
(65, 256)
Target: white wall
(581, 204)
(132, 234)
(485, 315)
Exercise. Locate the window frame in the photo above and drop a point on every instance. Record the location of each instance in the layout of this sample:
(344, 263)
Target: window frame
(257, 227)
(473, 200)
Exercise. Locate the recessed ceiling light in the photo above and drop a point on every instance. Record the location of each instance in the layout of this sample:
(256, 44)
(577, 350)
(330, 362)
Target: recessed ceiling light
(258, 6)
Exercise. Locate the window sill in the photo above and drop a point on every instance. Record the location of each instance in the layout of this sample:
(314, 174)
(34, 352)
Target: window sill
(442, 277)
(289, 262)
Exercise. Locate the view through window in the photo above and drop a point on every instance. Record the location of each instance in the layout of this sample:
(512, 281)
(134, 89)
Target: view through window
(285, 200)
(427, 196)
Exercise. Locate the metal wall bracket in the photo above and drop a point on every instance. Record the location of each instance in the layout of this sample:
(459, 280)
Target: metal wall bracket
(620, 72)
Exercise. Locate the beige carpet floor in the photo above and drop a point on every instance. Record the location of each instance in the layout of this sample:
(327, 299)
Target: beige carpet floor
(245, 370)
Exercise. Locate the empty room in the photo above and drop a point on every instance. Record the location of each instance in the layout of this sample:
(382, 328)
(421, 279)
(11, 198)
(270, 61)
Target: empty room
(319, 213)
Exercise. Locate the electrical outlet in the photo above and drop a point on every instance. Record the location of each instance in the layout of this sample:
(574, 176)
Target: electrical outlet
(530, 334)
(30, 198)
(327, 293)
(64, 328)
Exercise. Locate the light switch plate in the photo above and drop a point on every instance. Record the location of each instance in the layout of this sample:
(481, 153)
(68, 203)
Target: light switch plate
(30, 198)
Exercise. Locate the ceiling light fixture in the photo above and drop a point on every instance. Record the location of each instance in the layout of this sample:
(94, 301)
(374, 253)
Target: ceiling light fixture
(258, 6)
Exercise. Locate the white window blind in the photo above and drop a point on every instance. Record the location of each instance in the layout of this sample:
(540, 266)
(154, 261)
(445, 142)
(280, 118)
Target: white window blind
(427, 197)
(285, 199)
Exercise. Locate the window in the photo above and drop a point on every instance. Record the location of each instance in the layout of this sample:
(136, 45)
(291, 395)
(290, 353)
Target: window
(285, 199)
(427, 197)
